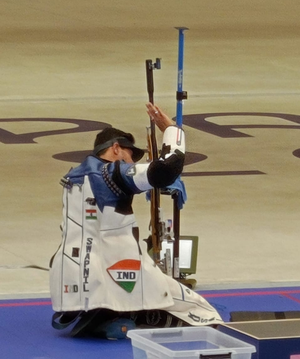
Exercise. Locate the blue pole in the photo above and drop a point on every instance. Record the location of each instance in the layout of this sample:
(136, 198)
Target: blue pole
(181, 95)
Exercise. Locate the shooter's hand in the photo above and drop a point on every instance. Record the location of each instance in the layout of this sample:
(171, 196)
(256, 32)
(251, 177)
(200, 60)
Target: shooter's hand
(161, 120)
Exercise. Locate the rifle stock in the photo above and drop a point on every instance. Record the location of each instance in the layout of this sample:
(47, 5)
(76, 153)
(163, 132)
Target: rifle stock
(156, 231)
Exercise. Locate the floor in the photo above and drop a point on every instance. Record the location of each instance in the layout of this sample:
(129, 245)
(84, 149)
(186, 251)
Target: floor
(70, 67)
(23, 321)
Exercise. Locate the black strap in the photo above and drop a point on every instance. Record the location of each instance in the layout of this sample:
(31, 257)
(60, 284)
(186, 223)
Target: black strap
(63, 320)
(122, 141)
(215, 356)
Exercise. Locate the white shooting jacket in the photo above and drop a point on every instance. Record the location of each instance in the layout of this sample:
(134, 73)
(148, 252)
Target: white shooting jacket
(100, 263)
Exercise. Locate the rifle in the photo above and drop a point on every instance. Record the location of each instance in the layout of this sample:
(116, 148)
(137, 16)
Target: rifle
(180, 96)
(156, 223)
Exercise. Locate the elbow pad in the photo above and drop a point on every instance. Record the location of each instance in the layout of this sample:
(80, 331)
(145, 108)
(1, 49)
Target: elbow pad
(173, 139)
(164, 171)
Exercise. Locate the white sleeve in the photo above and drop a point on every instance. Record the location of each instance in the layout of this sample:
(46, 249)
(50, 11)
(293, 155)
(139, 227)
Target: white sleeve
(140, 177)
(173, 139)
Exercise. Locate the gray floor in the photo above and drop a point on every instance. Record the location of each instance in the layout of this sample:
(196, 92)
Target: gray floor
(85, 60)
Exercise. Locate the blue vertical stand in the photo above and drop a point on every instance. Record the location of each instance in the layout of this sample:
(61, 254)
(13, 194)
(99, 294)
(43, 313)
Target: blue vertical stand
(180, 95)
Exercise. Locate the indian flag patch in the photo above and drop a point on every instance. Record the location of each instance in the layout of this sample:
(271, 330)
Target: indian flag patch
(90, 214)
(125, 273)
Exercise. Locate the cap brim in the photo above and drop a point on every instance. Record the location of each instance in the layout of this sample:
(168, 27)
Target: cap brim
(137, 153)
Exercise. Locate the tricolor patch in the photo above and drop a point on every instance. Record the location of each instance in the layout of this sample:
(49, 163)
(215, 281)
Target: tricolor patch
(90, 214)
(125, 273)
